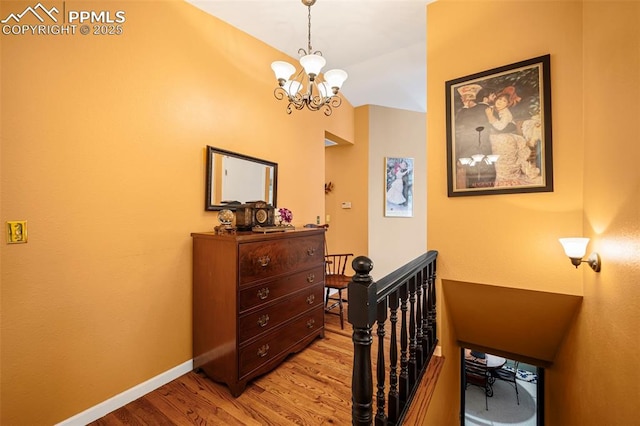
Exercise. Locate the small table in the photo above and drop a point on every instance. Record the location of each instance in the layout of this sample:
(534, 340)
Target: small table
(494, 362)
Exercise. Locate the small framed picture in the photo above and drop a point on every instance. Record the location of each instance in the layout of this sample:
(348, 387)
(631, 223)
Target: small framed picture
(398, 195)
(499, 130)
(16, 231)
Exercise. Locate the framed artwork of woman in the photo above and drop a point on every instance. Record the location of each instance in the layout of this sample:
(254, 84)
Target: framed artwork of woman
(499, 130)
(398, 198)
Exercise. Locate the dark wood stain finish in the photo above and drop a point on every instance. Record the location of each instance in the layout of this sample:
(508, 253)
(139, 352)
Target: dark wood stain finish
(256, 299)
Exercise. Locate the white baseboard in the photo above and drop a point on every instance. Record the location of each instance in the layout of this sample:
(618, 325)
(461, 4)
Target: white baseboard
(120, 400)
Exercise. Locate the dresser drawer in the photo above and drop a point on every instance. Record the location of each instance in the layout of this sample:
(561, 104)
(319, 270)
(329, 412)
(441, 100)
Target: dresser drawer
(273, 315)
(273, 344)
(263, 259)
(271, 291)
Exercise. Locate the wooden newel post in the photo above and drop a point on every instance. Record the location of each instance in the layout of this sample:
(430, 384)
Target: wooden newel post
(362, 316)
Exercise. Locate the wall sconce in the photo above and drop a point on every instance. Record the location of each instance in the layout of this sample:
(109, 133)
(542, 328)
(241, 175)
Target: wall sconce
(576, 248)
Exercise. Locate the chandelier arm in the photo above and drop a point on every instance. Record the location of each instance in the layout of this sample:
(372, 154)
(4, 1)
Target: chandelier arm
(279, 93)
(335, 101)
(298, 101)
(315, 103)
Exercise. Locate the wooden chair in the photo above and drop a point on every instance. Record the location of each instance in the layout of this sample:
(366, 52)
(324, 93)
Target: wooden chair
(508, 376)
(336, 280)
(476, 374)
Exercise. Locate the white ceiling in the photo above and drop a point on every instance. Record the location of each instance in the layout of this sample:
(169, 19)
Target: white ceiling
(380, 43)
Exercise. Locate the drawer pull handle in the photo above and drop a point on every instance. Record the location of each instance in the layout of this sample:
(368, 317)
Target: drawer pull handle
(263, 293)
(311, 323)
(311, 278)
(263, 350)
(311, 251)
(310, 299)
(263, 320)
(264, 261)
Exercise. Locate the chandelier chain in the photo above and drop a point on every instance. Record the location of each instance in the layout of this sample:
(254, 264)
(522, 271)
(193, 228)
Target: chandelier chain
(309, 28)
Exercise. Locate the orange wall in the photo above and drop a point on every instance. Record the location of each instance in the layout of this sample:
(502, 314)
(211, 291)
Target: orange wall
(103, 143)
(511, 240)
(480, 230)
(592, 381)
(347, 168)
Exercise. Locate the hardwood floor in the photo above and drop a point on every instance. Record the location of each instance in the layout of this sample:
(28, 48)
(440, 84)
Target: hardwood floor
(312, 387)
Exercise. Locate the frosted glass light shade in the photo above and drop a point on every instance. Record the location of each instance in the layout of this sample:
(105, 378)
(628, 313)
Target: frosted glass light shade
(335, 78)
(493, 158)
(575, 248)
(312, 64)
(283, 70)
(325, 90)
(292, 87)
(477, 158)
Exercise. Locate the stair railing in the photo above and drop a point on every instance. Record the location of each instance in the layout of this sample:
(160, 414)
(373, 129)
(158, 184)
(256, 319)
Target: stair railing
(406, 296)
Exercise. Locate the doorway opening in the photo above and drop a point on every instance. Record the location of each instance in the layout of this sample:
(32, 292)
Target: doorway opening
(488, 391)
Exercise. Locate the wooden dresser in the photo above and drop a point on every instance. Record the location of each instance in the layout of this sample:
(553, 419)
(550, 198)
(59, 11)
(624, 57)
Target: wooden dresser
(256, 299)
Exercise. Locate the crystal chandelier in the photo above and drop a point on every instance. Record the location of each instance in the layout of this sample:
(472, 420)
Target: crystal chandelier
(307, 88)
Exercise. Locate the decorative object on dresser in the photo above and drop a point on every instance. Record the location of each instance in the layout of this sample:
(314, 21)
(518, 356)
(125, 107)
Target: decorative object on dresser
(254, 213)
(284, 216)
(225, 217)
(256, 299)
